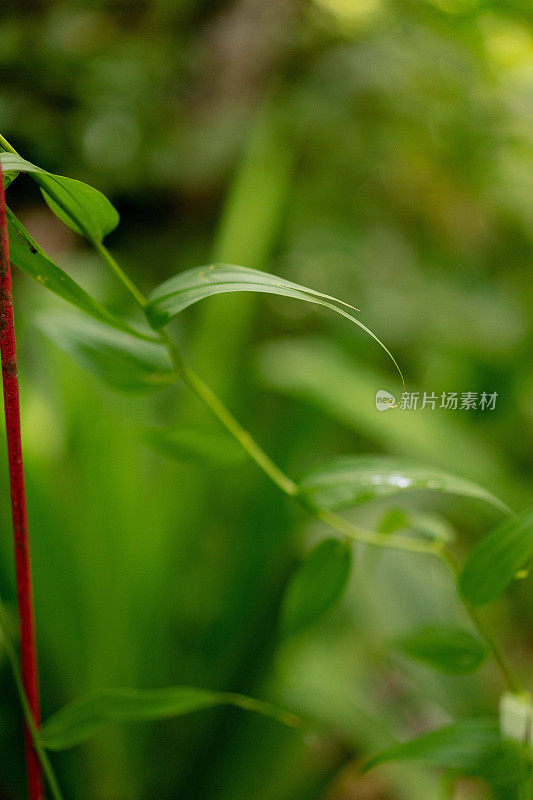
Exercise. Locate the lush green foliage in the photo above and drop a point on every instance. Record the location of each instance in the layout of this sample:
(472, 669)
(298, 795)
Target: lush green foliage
(128, 361)
(387, 165)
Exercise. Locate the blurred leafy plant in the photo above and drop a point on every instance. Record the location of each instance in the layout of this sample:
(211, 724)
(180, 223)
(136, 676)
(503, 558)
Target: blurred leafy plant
(147, 358)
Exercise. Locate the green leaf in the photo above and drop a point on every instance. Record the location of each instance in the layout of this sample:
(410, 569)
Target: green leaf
(83, 208)
(467, 746)
(317, 585)
(393, 520)
(123, 361)
(204, 445)
(194, 285)
(350, 480)
(493, 564)
(28, 256)
(450, 650)
(83, 718)
(430, 526)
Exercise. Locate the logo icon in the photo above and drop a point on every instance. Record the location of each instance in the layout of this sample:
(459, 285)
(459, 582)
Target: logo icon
(385, 400)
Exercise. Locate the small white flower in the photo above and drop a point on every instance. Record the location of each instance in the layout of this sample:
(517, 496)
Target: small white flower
(516, 718)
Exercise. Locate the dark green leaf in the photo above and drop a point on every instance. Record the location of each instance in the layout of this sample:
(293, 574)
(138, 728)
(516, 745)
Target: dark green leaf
(317, 585)
(205, 445)
(468, 747)
(83, 208)
(28, 256)
(464, 746)
(350, 480)
(447, 649)
(195, 284)
(122, 360)
(493, 564)
(82, 718)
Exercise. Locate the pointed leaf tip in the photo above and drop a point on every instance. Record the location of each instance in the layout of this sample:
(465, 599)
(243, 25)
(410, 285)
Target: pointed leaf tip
(195, 284)
(83, 718)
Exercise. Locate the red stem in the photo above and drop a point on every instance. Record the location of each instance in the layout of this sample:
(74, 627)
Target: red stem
(28, 650)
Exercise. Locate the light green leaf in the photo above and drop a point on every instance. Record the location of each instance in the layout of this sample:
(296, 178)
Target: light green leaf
(393, 520)
(430, 526)
(350, 480)
(83, 718)
(317, 585)
(194, 285)
(83, 208)
(467, 746)
(450, 650)
(493, 564)
(205, 445)
(28, 256)
(123, 361)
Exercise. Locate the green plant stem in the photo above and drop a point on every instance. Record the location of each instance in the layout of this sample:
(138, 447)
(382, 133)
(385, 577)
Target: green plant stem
(373, 538)
(286, 484)
(5, 144)
(137, 295)
(484, 631)
(36, 739)
(247, 441)
(482, 628)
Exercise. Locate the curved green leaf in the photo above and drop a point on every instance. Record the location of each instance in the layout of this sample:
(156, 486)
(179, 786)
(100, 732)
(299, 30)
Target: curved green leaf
(83, 208)
(450, 650)
(193, 285)
(346, 481)
(317, 585)
(493, 564)
(83, 718)
(29, 257)
(121, 360)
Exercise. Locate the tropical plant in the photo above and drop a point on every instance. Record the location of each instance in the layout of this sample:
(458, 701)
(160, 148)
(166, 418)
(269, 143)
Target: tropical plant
(143, 356)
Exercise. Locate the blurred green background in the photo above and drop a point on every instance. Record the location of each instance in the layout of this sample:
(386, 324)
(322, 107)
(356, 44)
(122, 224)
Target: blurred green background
(377, 150)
